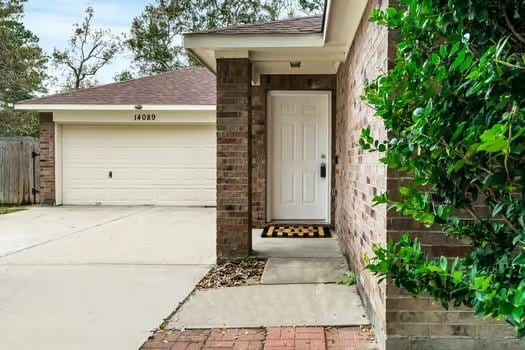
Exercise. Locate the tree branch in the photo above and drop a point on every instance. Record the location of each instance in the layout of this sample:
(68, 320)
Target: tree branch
(511, 27)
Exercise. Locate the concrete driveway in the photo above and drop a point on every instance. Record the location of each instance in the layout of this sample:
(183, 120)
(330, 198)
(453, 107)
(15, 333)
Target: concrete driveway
(97, 277)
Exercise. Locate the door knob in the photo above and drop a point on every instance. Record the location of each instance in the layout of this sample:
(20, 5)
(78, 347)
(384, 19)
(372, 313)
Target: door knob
(323, 170)
(110, 174)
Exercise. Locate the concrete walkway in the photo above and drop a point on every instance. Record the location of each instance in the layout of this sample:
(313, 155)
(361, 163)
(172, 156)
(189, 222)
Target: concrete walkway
(298, 289)
(272, 306)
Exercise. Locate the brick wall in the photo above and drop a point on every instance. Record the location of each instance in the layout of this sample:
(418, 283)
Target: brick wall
(259, 130)
(47, 159)
(233, 158)
(259, 168)
(420, 323)
(359, 175)
(400, 321)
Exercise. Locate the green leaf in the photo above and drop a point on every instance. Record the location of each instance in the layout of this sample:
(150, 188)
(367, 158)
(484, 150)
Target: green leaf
(456, 166)
(443, 263)
(472, 149)
(459, 59)
(425, 218)
(519, 298)
(497, 209)
(474, 89)
(494, 139)
(443, 51)
(517, 314)
(454, 49)
(404, 191)
(392, 12)
(466, 64)
(457, 276)
(519, 260)
(436, 59)
(458, 131)
(495, 131)
(418, 113)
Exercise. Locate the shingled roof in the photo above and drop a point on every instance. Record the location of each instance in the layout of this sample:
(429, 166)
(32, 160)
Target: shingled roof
(299, 25)
(190, 86)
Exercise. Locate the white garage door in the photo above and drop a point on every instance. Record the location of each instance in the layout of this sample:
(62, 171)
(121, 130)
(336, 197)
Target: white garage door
(125, 164)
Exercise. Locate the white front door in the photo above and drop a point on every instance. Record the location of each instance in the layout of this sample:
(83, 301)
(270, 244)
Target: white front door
(299, 153)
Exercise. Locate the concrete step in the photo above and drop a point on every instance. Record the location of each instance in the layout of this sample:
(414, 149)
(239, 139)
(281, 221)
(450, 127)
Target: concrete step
(304, 270)
(294, 247)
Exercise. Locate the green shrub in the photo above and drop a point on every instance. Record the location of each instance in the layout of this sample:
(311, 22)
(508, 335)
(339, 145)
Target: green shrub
(350, 280)
(454, 109)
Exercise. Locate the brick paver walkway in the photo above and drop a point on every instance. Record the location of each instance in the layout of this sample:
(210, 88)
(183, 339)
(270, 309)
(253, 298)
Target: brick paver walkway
(288, 338)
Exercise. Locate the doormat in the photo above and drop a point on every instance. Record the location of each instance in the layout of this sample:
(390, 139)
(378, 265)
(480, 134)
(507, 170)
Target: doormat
(296, 231)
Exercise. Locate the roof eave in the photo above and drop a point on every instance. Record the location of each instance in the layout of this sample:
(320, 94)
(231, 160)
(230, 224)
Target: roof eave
(251, 41)
(321, 52)
(104, 107)
(203, 46)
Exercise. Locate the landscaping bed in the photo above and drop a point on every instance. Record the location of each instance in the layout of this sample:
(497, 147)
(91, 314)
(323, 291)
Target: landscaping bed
(233, 274)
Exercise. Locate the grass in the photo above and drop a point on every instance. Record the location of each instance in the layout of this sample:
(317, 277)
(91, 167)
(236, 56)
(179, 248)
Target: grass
(8, 209)
(350, 280)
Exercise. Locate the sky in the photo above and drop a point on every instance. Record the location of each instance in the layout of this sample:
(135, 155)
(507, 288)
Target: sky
(52, 21)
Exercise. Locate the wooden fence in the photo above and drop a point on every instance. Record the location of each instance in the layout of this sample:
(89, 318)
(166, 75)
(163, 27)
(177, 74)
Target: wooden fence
(17, 173)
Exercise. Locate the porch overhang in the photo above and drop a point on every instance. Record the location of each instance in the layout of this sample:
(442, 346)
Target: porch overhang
(285, 53)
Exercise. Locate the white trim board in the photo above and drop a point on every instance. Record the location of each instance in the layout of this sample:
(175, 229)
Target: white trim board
(128, 117)
(81, 107)
(58, 164)
(251, 41)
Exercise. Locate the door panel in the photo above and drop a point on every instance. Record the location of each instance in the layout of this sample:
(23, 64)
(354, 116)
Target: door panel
(299, 145)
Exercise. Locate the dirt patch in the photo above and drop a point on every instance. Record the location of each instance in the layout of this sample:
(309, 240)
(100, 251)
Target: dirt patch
(234, 274)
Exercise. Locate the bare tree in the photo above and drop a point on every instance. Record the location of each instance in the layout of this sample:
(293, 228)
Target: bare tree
(89, 50)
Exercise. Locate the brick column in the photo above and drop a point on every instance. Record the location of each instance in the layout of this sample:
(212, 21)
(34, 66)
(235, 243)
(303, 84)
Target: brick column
(233, 158)
(47, 159)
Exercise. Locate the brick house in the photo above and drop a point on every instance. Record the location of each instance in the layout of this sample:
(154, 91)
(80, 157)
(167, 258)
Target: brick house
(283, 116)
(145, 141)
(289, 117)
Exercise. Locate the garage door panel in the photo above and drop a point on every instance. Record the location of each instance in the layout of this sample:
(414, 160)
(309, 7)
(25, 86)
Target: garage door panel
(189, 159)
(163, 176)
(121, 136)
(172, 165)
(103, 196)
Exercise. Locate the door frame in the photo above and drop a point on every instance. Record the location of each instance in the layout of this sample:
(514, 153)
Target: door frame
(269, 150)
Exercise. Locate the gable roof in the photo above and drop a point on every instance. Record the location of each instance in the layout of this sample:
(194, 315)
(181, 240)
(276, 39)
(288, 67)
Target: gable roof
(299, 25)
(189, 86)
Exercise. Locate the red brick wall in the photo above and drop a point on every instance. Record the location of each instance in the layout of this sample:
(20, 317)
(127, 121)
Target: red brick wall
(259, 131)
(233, 158)
(259, 167)
(47, 159)
(359, 175)
(421, 323)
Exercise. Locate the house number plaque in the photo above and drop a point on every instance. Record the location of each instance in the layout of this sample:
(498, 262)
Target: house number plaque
(145, 116)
